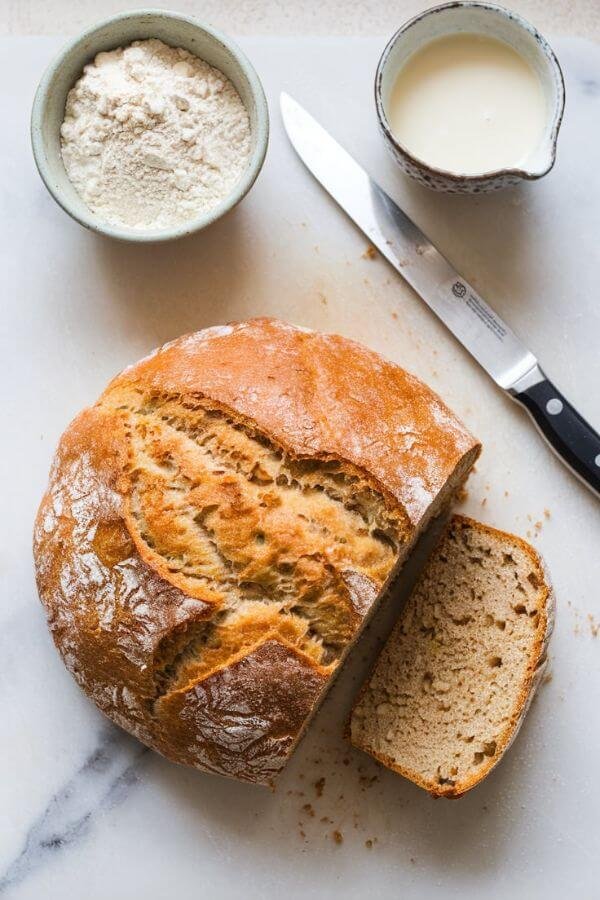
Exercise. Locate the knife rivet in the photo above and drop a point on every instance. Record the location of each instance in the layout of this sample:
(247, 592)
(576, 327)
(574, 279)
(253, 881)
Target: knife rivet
(597, 460)
(554, 406)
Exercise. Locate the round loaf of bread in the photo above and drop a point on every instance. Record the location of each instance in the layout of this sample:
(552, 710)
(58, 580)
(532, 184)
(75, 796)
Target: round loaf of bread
(219, 525)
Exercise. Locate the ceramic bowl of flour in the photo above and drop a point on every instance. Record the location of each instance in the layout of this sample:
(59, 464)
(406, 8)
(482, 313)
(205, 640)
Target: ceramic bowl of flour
(178, 33)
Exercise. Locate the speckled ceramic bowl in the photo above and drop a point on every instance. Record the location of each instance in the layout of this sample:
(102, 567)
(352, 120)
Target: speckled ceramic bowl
(493, 21)
(178, 31)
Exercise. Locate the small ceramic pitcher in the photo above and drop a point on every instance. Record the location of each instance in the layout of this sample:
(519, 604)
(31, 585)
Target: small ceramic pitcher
(492, 21)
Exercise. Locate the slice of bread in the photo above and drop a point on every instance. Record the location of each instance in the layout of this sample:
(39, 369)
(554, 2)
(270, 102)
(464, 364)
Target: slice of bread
(454, 681)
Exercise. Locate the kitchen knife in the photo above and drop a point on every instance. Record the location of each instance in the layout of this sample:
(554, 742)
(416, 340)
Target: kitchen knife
(495, 347)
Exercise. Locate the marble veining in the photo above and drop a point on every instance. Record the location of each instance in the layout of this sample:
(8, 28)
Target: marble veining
(104, 780)
(590, 86)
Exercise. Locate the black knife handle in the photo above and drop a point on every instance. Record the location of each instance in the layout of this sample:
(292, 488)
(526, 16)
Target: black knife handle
(568, 434)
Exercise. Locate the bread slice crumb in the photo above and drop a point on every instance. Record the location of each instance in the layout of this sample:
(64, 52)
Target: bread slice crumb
(452, 684)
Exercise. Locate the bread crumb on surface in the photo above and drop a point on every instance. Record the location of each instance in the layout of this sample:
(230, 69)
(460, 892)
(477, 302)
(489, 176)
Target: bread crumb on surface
(338, 837)
(547, 678)
(369, 844)
(370, 252)
(307, 808)
(395, 315)
(580, 619)
(320, 787)
(462, 495)
(367, 781)
(546, 513)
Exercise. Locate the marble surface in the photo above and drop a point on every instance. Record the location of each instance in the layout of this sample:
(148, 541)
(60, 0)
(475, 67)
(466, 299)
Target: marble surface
(296, 17)
(86, 811)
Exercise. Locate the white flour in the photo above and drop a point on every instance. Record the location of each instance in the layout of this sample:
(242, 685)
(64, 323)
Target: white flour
(153, 136)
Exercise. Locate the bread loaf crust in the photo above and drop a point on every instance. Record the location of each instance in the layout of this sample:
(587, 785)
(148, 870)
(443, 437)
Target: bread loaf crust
(218, 659)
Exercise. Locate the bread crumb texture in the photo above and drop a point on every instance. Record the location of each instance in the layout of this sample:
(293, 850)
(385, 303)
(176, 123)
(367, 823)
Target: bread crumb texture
(207, 549)
(454, 680)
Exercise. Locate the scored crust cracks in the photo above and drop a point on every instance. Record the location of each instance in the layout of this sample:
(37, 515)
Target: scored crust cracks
(218, 527)
(454, 681)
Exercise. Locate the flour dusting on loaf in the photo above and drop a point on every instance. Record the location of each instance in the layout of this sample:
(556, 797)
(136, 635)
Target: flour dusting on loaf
(218, 527)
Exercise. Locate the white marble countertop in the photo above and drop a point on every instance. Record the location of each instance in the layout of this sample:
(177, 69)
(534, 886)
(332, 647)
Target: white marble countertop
(298, 17)
(85, 811)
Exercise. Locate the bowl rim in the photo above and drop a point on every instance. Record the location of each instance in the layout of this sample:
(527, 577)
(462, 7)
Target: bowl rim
(89, 219)
(476, 178)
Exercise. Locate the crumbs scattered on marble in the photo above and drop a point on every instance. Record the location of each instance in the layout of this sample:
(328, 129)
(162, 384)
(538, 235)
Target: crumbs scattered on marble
(335, 808)
(584, 623)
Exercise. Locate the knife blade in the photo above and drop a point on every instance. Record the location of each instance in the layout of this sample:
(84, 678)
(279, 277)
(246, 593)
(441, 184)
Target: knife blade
(450, 296)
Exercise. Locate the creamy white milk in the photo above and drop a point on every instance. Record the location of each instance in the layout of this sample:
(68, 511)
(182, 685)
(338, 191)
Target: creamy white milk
(469, 104)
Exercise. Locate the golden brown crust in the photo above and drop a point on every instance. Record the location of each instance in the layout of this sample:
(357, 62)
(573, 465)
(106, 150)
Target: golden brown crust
(534, 672)
(244, 718)
(319, 395)
(219, 525)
